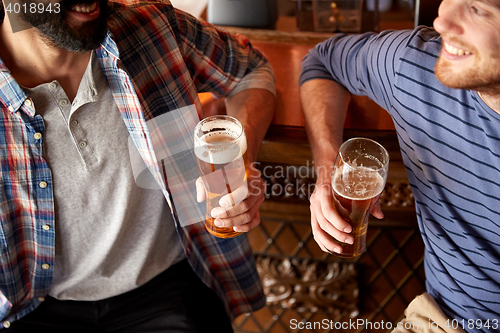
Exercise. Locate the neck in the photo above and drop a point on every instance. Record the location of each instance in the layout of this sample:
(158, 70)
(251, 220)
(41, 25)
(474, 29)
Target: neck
(491, 99)
(33, 61)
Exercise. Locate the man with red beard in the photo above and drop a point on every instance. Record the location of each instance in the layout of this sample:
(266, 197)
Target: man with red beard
(442, 90)
(98, 203)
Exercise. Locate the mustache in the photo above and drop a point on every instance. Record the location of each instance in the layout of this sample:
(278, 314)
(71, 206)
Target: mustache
(68, 4)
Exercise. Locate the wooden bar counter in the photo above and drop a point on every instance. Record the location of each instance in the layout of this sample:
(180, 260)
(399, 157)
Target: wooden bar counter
(302, 283)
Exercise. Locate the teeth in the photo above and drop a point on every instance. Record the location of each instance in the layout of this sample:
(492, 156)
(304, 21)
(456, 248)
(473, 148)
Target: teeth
(84, 8)
(454, 50)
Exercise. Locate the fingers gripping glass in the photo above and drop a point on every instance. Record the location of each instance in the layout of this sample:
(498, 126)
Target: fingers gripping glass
(221, 155)
(358, 179)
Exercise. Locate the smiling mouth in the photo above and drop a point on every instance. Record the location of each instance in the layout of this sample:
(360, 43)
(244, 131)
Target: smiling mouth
(454, 50)
(84, 8)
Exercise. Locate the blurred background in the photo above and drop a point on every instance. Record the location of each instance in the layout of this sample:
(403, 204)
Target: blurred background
(314, 15)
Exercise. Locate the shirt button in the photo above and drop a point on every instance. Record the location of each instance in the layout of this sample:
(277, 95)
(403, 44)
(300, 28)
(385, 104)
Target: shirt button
(41, 299)
(43, 184)
(63, 102)
(74, 123)
(52, 85)
(38, 136)
(6, 324)
(45, 266)
(46, 227)
(11, 108)
(28, 102)
(83, 144)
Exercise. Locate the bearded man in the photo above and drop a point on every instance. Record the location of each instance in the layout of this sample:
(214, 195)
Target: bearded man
(442, 90)
(99, 102)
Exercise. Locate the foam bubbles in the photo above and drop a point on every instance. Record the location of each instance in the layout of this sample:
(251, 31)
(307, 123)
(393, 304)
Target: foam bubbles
(222, 143)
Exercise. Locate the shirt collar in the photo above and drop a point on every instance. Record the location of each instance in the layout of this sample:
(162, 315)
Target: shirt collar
(3, 68)
(109, 46)
(11, 94)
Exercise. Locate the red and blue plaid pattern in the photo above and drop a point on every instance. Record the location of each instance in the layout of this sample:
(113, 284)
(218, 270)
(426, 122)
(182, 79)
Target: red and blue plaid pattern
(156, 60)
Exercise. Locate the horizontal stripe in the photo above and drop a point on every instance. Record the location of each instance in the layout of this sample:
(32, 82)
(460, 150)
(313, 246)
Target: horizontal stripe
(449, 145)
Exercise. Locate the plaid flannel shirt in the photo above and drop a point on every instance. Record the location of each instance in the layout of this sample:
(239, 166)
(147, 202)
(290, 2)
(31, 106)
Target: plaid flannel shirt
(156, 60)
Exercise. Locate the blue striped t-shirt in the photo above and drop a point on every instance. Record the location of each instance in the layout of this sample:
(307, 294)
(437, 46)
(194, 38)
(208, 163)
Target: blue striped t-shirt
(450, 142)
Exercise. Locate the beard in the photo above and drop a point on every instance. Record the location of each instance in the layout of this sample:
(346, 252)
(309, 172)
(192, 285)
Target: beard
(482, 76)
(56, 30)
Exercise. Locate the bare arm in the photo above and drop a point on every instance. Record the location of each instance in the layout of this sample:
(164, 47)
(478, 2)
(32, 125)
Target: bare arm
(254, 108)
(325, 103)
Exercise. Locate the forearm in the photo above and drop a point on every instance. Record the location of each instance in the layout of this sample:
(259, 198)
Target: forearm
(324, 103)
(254, 108)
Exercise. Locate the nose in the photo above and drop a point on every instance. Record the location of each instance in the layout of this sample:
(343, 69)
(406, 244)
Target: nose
(448, 20)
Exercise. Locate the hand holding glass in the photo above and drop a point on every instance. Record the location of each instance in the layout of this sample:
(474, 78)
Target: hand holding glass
(221, 155)
(358, 179)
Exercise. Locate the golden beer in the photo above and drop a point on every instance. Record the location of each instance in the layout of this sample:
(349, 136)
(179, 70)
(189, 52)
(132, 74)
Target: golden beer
(358, 179)
(355, 206)
(221, 156)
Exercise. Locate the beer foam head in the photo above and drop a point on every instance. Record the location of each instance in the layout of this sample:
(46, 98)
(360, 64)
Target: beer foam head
(360, 185)
(222, 142)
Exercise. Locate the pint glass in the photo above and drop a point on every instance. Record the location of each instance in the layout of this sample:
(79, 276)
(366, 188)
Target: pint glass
(221, 155)
(358, 178)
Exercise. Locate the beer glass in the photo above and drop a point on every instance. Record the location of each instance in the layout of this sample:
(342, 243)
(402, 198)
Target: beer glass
(221, 155)
(358, 178)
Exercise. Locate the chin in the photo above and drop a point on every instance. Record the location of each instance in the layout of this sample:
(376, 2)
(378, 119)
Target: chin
(447, 74)
(457, 77)
(479, 75)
